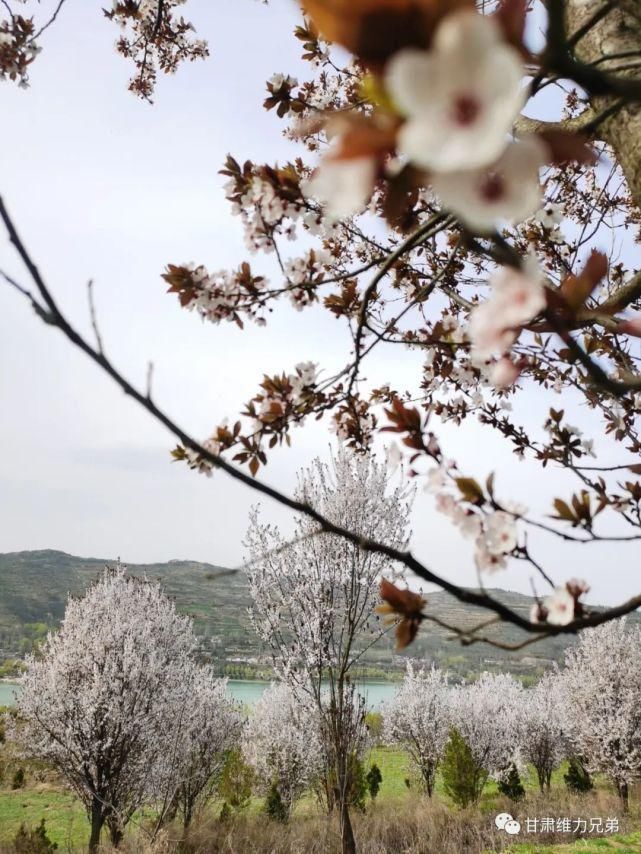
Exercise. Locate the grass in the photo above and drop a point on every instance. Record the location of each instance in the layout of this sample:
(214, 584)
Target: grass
(64, 816)
(629, 844)
(399, 810)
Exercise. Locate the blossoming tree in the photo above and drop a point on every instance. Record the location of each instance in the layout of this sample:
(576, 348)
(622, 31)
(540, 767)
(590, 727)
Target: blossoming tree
(543, 740)
(314, 600)
(282, 743)
(206, 729)
(488, 715)
(601, 702)
(105, 700)
(466, 188)
(418, 717)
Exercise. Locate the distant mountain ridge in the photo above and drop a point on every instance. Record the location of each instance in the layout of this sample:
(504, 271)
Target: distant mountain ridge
(34, 586)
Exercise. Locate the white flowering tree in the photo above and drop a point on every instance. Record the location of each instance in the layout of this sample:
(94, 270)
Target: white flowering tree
(104, 699)
(543, 741)
(207, 728)
(418, 717)
(468, 187)
(282, 743)
(488, 715)
(602, 702)
(313, 601)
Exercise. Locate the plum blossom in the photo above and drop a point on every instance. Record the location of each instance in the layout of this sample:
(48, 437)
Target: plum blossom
(435, 479)
(503, 373)
(343, 186)
(486, 561)
(304, 377)
(550, 215)
(516, 298)
(460, 98)
(508, 191)
(560, 606)
(501, 533)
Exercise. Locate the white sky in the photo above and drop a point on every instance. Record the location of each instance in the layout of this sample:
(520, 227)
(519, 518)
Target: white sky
(105, 187)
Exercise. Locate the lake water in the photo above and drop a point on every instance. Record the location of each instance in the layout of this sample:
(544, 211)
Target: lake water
(247, 693)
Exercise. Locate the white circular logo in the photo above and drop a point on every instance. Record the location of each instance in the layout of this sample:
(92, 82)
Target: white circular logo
(502, 819)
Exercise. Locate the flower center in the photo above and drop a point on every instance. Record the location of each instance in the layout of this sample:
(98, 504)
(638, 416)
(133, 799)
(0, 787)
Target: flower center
(466, 108)
(493, 188)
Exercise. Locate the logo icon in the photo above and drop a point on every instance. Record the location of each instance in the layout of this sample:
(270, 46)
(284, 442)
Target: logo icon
(504, 821)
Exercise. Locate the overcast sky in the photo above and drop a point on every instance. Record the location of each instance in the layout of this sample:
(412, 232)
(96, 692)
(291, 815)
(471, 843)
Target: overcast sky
(107, 188)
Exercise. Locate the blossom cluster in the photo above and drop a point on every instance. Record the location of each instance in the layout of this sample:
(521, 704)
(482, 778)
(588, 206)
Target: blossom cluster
(155, 38)
(18, 48)
(223, 295)
(456, 103)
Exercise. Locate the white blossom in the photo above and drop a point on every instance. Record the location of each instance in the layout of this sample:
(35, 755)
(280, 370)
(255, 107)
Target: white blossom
(559, 606)
(516, 298)
(344, 186)
(460, 98)
(506, 192)
(501, 533)
(550, 215)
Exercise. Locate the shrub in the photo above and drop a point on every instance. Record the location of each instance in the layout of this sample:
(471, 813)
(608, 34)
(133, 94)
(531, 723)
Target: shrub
(274, 806)
(577, 778)
(463, 779)
(18, 779)
(374, 724)
(33, 840)
(236, 781)
(511, 786)
(358, 785)
(374, 779)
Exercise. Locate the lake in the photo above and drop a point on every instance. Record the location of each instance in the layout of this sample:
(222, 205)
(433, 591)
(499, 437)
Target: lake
(248, 692)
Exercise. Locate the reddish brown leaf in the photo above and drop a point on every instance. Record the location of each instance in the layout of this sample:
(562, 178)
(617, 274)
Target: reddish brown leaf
(406, 631)
(375, 29)
(575, 290)
(405, 603)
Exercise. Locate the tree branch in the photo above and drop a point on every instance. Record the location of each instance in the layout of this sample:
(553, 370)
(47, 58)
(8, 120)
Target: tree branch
(403, 557)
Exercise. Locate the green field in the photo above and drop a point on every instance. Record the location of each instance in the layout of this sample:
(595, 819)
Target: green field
(64, 816)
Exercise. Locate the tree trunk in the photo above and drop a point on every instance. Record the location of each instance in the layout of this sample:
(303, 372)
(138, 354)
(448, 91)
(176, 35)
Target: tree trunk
(97, 821)
(624, 795)
(115, 834)
(348, 843)
(429, 774)
(619, 31)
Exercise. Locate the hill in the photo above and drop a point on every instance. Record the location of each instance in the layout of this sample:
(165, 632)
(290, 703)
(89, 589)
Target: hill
(34, 586)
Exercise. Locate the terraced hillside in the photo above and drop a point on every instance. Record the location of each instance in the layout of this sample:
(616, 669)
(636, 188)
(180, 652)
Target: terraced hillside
(34, 586)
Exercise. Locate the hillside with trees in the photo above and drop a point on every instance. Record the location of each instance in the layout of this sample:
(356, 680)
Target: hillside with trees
(34, 586)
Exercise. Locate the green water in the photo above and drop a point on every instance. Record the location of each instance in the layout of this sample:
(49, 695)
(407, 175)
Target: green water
(247, 693)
